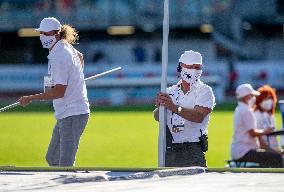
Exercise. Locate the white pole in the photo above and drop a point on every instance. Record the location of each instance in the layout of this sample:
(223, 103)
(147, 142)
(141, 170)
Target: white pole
(162, 110)
(102, 74)
(86, 79)
(9, 106)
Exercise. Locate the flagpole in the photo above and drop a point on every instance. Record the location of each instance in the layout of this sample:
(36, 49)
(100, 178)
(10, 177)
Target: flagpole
(162, 110)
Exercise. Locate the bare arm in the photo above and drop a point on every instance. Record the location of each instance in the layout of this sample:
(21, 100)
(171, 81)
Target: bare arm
(196, 115)
(55, 93)
(258, 132)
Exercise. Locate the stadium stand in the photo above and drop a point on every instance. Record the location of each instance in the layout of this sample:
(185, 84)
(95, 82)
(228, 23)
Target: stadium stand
(233, 36)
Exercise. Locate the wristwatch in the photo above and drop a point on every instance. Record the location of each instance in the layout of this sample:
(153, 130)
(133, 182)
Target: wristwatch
(179, 109)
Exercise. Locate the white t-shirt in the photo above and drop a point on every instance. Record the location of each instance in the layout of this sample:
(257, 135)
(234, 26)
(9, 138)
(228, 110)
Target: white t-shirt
(199, 94)
(65, 69)
(244, 120)
(263, 121)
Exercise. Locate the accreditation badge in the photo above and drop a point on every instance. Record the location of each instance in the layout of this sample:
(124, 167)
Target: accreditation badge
(48, 83)
(177, 123)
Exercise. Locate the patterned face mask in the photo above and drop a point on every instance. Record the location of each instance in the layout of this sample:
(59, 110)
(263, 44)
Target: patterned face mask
(190, 76)
(47, 41)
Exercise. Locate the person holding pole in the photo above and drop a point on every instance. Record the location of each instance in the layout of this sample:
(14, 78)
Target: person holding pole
(64, 85)
(189, 104)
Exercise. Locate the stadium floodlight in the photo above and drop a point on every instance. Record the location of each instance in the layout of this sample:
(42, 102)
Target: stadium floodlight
(86, 79)
(162, 109)
(121, 30)
(206, 28)
(28, 32)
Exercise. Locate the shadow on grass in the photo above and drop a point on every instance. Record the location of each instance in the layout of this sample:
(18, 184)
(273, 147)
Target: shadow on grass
(47, 107)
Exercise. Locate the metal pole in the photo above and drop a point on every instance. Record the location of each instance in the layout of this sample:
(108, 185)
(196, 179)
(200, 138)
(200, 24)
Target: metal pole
(9, 106)
(162, 110)
(102, 74)
(86, 79)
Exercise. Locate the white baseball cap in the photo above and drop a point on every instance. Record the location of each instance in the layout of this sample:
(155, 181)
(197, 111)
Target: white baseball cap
(190, 58)
(49, 24)
(244, 90)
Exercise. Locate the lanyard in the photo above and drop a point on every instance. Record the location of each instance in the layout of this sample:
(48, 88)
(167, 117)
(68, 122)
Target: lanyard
(176, 120)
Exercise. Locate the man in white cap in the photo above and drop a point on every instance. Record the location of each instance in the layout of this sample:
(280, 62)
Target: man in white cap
(65, 85)
(189, 104)
(244, 146)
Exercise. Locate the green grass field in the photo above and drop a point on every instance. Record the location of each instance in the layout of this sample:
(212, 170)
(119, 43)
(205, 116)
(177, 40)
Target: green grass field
(111, 139)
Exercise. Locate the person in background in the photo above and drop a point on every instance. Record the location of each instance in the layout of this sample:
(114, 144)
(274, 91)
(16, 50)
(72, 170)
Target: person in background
(139, 53)
(264, 113)
(244, 146)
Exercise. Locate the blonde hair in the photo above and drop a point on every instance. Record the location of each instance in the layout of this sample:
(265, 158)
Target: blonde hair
(69, 34)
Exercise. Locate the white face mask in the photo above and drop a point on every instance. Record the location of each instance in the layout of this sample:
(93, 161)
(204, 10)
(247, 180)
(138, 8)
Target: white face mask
(267, 104)
(251, 101)
(190, 76)
(47, 41)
